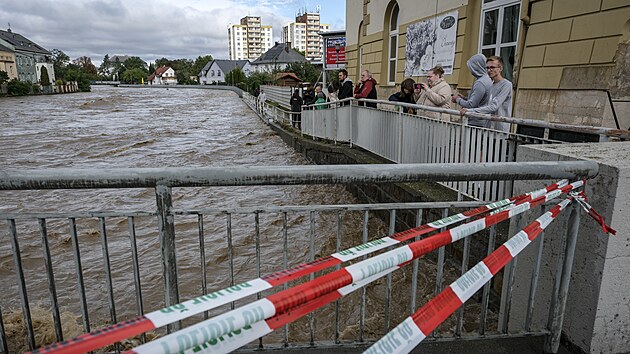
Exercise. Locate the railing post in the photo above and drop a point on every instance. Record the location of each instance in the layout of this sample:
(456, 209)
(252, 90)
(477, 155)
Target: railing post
(166, 225)
(400, 135)
(559, 302)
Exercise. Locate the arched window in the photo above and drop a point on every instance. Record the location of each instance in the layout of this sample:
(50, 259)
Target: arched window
(211, 72)
(393, 45)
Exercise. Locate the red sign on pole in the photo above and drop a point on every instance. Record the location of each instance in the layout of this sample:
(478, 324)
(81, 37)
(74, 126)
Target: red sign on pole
(335, 52)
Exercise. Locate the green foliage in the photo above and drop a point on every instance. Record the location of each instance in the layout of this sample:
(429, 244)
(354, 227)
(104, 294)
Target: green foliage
(85, 64)
(133, 76)
(304, 70)
(200, 62)
(60, 62)
(44, 78)
(235, 77)
(135, 63)
(256, 79)
(75, 73)
(16, 87)
(103, 69)
(4, 77)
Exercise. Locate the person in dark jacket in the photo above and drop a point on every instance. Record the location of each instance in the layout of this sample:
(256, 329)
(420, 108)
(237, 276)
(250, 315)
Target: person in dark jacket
(366, 88)
(345, 85)
(405, 95)
(308, 96)
(296, 108)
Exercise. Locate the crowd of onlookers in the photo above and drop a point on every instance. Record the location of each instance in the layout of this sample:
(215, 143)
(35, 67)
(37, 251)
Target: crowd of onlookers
(490, 93)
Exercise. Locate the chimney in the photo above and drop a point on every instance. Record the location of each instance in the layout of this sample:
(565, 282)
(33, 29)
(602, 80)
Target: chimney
(287, 46)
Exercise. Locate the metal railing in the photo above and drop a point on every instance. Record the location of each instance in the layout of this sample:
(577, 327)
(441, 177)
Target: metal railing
(118, 298)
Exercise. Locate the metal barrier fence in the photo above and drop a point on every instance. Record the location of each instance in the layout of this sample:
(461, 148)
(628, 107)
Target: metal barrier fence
(119, 297)
(408, 138)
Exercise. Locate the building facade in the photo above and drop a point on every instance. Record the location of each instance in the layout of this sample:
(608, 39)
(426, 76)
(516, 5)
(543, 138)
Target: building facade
(304, 34)
(30, 58)
(164, 75)
(277, 58)
(7, 62)
(249, 39)
(214, 72)
(569, 61)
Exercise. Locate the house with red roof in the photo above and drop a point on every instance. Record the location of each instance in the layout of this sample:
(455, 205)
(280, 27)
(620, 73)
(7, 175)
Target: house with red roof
(164, 75)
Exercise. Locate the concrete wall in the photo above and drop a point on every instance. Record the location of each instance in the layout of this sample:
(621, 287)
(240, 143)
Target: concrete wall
(597, 318)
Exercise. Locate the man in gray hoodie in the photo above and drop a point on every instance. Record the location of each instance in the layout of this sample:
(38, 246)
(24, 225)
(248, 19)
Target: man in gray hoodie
(479, 93)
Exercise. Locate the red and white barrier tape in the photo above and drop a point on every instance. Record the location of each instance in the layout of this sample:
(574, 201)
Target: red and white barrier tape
(581, 199)
(174, 313)
(247, 315)
(407, 335)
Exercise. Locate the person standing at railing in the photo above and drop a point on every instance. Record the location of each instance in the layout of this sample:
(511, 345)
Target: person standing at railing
(405, 95)
(331, 92)
(308, 96)
(436, 92)
(345, 85)
(262, 98)
(366, 89)
(480, 91)
(500, 99)
(320, 97)
(296, 108)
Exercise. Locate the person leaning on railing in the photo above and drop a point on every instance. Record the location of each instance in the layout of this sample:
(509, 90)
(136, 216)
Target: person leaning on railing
(405, 95)
(366, 89)
(436, 92)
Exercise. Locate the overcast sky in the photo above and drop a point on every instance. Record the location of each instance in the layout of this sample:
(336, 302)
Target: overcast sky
(150, 29)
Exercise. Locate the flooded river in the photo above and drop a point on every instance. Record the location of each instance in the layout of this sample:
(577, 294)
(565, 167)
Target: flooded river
(128, 128)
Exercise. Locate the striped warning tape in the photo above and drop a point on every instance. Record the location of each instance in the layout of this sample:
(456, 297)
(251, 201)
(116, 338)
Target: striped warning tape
(174, 313)
(416, 327)
(237, 319)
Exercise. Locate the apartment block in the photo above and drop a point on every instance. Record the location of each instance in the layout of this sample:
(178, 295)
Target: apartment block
(249, 39)
(304, 34)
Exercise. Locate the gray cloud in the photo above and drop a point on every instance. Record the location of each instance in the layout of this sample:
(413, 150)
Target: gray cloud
(148, 29)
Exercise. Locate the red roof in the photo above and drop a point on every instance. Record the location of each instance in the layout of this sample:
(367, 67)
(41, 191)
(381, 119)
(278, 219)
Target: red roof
(158, 72)
(287, 75)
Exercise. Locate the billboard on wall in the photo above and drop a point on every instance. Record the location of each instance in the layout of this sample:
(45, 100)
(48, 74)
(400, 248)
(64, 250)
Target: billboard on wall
(431, 42)
(335, 54)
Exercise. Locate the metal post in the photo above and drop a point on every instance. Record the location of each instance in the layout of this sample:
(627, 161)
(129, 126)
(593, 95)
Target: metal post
(540, 240)
(552, 342)
(52, 289)
(166, 226)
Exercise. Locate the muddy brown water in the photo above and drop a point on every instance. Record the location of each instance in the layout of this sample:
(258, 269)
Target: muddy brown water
(128, 128)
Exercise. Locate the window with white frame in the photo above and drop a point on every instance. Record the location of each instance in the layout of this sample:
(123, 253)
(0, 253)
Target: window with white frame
(393, 45)
(499, 31)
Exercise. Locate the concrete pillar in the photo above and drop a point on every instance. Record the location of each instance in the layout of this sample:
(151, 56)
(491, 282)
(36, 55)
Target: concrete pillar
(597, 317)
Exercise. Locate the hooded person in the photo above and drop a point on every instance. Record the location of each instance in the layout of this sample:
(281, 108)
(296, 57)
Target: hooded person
(480, 91)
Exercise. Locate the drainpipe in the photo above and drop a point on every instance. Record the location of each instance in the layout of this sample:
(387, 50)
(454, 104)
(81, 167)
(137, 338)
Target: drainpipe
(525, 19)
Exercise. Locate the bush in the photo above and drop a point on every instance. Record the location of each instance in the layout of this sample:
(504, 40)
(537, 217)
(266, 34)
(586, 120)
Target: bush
(18, 88)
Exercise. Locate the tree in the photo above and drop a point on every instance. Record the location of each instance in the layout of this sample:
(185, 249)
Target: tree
(85, 63)
(76, 73)
(4, 77)
(304, 70)
(133, 76)
(255, 80)
(103, 69)
(200, 62)
(60, 62)
(16, 87)
(44, 78)
(151, 68)
(235, 77)
(135, 63)
(162, 62)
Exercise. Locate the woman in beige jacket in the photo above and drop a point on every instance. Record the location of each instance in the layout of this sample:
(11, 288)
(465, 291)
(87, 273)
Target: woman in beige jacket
(435, 93)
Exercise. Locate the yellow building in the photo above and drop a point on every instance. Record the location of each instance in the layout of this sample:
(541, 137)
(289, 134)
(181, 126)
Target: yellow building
(569, 60)
(7, 62)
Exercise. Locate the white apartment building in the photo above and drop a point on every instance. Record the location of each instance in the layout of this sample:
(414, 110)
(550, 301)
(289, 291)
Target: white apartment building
(249, 39)
(303, 34)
